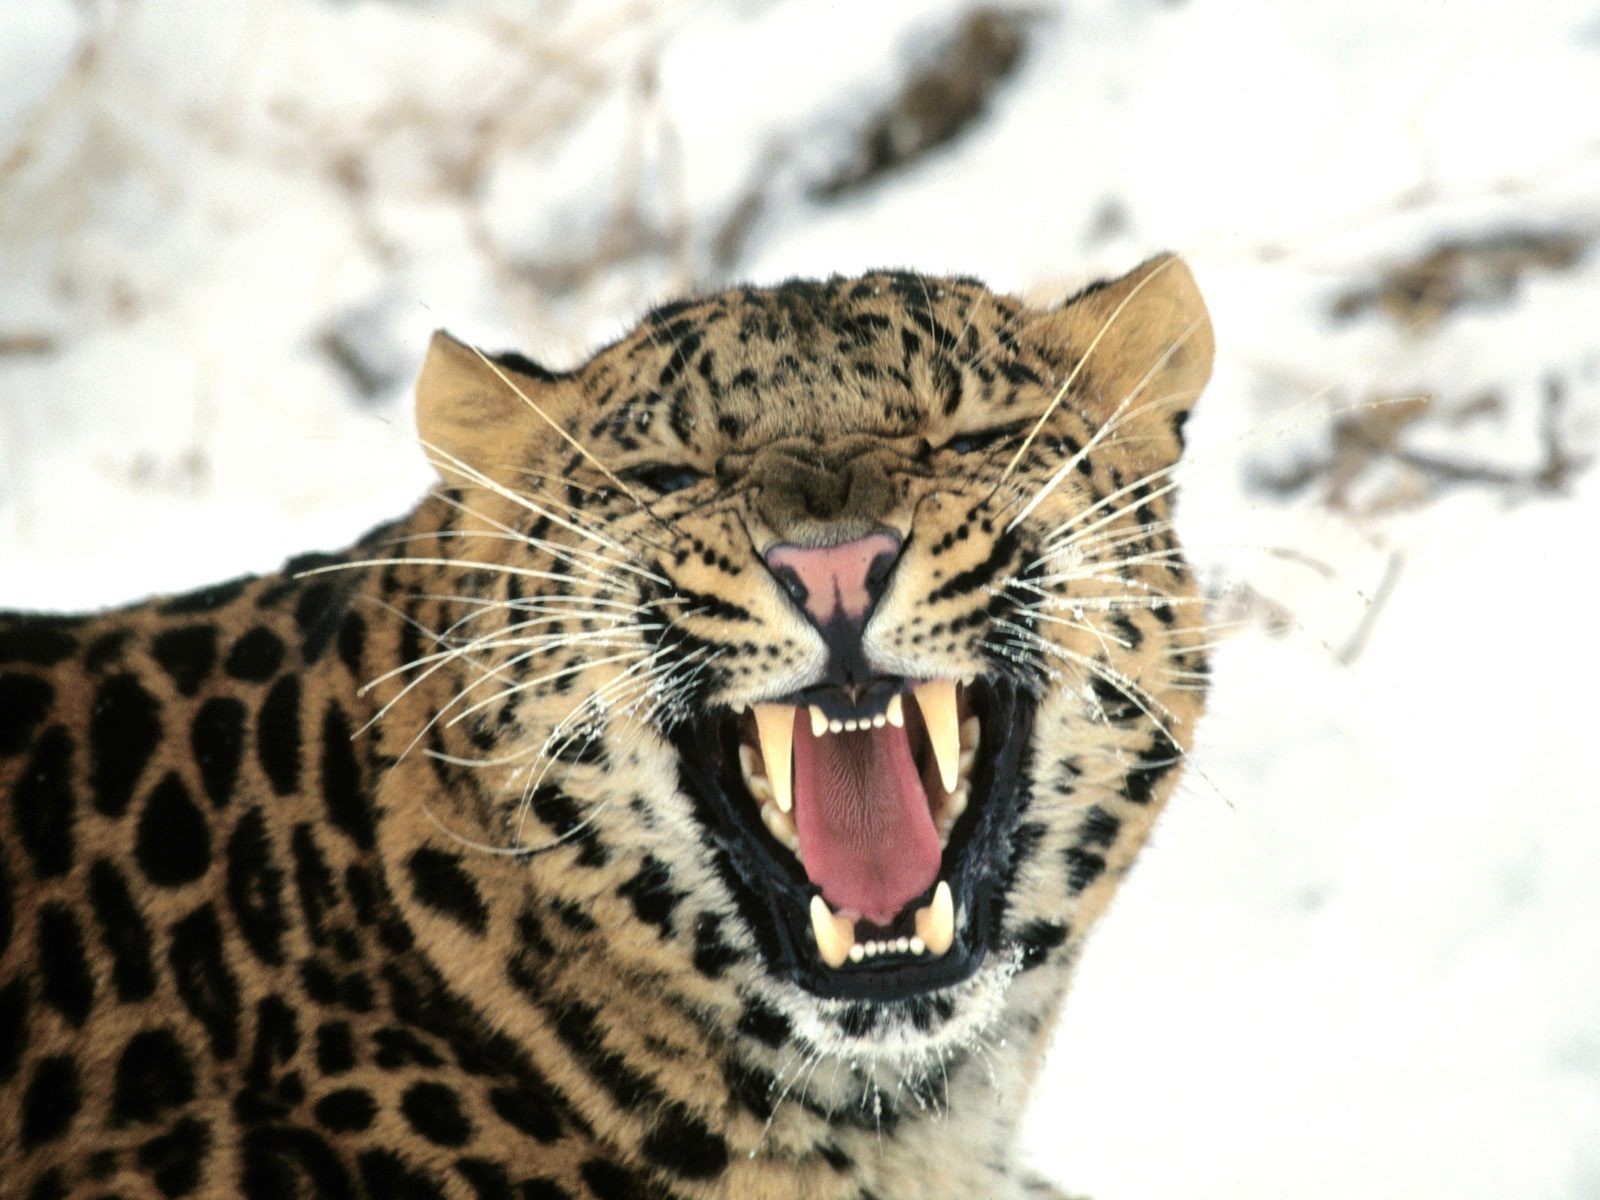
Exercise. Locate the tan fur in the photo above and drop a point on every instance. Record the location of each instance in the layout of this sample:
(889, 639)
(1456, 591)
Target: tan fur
(478, 871)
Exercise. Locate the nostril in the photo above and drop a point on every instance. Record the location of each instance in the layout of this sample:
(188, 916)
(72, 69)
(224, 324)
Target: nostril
(843, 581)
(791, 583)
(878, 572)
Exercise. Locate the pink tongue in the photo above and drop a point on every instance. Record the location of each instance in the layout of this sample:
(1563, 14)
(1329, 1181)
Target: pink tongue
(866, 832)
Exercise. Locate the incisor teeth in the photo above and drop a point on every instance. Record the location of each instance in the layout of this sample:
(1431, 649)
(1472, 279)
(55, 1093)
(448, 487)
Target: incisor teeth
(835, 935)
(775, 727)
(936, 924)
(937, 699)
(896, 712)
(819, 722)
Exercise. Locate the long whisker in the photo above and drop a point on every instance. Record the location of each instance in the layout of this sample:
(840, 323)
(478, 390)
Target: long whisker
(1077, 368)
(572, 441)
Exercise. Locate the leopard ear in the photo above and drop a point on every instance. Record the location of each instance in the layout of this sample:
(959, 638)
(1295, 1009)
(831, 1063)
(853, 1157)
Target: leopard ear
(1142, 346)
(478, 411)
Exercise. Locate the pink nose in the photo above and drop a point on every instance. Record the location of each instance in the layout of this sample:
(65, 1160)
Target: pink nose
(836, 582)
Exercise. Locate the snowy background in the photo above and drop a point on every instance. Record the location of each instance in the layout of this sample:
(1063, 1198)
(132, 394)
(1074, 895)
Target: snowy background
(1362, 957)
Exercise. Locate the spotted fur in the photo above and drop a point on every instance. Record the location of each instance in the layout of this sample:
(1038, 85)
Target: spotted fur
(376, 876)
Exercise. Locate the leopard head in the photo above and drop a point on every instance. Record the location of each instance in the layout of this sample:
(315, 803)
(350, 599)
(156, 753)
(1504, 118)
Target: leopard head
(822, 652)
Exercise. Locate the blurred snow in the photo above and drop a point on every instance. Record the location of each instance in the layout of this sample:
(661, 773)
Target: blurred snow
(1362, 956)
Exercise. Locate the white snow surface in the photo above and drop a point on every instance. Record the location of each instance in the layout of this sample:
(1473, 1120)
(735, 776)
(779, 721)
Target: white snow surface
(1362, 954)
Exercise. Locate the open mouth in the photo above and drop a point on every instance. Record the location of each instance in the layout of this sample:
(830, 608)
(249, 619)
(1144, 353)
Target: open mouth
(865, 829)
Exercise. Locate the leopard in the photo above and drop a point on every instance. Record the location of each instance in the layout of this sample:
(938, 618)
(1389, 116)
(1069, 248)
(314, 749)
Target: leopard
(705, 791)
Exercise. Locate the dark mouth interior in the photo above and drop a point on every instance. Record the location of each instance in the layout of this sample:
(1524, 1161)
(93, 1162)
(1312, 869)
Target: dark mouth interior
(772, 885)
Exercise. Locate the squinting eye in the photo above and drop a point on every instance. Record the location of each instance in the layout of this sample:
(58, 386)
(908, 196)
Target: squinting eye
(665, 478)
(967, 443)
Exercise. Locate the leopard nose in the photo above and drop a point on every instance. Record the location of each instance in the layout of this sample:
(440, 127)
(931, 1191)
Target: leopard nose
(836, 584)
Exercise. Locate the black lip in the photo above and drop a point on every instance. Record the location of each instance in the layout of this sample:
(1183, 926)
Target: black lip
(774, 895)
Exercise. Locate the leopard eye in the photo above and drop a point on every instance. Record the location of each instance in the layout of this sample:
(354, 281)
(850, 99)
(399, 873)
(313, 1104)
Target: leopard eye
(982, 439)
(665, 478)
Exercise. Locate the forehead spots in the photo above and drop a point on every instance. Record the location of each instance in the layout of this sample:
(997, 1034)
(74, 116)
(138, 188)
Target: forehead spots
(889, 353)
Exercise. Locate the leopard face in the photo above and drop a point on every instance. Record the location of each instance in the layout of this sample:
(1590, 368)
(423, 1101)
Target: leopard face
(826, 647)
(710, 783)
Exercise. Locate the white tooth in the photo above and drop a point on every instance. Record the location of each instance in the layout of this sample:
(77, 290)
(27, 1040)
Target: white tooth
(857, 952)
(956, 803)
(835, 726)
(936, 924)
(937, 699)
(759, 787)
(971, 731)
(835, 935)
(879, 721)
(850, 726)
(739, 708)
(870, 949)
(780, 826)
(775, 727)
(918, 946)
(903, 945)
(819, 723)
(896, 712)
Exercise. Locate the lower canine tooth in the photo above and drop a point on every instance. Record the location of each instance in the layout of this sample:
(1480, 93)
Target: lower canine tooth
(971, 732)
(956, 803)
(781, 826)
(835, 935)
(936, 924)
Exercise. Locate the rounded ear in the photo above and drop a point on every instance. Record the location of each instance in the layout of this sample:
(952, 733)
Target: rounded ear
(1141, 348)
(478, 412)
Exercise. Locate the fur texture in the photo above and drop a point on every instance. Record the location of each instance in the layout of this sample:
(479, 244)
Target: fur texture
(377, 877)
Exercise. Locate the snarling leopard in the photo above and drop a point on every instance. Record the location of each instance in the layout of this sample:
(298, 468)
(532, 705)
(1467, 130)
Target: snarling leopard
(704, 792)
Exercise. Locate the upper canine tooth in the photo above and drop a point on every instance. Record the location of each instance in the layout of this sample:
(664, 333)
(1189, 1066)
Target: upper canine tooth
(819, 722)
(781, 826)
(936, 924)
(896, 711)
(835, 935)
(775, 728)
(937, 699)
